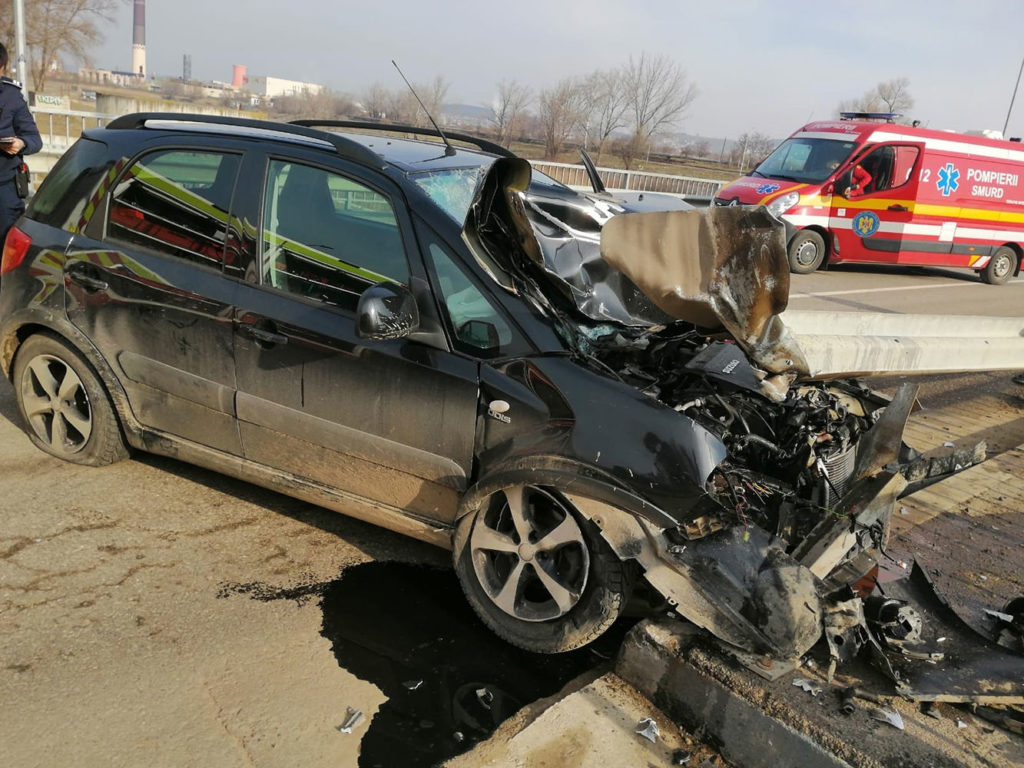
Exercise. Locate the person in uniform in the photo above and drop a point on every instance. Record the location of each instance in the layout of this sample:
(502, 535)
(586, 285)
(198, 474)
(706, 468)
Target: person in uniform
(18, 136)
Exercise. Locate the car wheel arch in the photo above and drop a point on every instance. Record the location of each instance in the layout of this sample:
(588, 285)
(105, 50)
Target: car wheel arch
(17, 336)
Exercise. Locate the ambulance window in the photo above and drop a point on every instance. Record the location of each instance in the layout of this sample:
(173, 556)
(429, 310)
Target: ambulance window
(906, 158)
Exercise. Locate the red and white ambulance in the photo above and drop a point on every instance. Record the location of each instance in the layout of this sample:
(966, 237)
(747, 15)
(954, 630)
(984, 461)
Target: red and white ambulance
(860, 190)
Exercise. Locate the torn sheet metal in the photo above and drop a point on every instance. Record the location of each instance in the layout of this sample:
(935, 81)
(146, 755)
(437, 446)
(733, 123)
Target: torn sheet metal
(723, 266)
(966, 667)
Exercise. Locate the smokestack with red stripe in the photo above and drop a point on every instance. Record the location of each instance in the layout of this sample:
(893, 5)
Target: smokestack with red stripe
(139, 39)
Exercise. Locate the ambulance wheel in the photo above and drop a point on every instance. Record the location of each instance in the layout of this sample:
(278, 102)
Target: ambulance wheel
(998, 271)
(806, 252)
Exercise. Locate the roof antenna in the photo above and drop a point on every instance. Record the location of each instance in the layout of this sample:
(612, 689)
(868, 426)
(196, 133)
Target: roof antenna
(449, 150)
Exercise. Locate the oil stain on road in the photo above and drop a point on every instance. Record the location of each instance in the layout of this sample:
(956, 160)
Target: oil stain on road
(449, 680)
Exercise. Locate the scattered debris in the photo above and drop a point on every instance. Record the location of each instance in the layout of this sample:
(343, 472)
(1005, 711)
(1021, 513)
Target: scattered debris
(888, 716)
(960, 723)
(412, 685)
(948, 444)
(648, 729)
(353, 717)
(903, 511)
(681, 757)
(458, 736)
(807, 685)
(485, 697)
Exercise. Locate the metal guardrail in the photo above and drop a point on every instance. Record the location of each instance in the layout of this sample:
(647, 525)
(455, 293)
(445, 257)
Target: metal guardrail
(60, 128)
(686, 187)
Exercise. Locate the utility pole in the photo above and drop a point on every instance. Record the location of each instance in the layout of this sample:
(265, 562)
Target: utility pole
(21, 54)
(1013, 97)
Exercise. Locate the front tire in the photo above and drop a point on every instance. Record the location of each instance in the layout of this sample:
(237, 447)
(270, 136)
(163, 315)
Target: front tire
(537, 573)
(806, 252)
(1002, 265)
(65, 408)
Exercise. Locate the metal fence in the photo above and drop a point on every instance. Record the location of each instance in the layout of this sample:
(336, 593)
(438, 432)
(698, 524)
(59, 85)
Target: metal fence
(60, 128)
(687, 187)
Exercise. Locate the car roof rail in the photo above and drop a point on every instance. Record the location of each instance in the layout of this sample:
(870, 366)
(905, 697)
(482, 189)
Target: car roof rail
(484, 144)
(351, 150)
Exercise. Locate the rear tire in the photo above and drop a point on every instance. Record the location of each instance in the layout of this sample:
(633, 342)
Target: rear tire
(1001, 267)
(65, 408)
(806, 252)
(537, 573)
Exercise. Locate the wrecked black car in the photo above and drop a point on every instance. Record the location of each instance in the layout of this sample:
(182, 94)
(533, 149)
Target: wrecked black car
(576, 398)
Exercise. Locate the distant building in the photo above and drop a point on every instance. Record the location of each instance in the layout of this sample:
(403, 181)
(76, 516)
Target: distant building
(110, 77)
(272, 87)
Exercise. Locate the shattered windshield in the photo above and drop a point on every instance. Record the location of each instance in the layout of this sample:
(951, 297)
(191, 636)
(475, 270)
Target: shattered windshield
(807, 160)
(452, 189)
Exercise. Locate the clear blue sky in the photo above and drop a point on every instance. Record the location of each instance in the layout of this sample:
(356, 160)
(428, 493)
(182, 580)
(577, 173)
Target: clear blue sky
(760, 65)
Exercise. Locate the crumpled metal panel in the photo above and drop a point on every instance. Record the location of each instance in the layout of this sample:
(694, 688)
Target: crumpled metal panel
(722, 266)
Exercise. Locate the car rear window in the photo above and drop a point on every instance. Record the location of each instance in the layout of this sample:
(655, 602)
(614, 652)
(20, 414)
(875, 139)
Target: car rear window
(63, 198)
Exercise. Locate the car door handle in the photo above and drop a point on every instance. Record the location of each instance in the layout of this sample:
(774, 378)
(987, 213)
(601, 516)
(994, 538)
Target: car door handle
(898, 207)
(87, 282)
(263, 335)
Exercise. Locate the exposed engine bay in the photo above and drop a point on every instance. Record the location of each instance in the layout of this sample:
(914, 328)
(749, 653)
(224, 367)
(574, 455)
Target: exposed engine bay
(789, 463)
(686, 308)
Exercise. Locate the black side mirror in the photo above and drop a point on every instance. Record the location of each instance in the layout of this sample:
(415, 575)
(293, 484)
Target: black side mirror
(386, 311)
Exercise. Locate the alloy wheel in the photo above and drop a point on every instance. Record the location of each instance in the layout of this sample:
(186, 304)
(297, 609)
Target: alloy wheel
(529, 554)
(56, 404)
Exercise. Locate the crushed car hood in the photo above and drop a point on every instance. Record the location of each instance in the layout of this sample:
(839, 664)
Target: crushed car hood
(720, 268)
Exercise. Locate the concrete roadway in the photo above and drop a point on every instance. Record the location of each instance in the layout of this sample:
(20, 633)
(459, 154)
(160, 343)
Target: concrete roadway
(119, 645)
(906, 290)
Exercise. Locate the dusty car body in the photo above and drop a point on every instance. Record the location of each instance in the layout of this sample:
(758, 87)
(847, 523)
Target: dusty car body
(571, 396)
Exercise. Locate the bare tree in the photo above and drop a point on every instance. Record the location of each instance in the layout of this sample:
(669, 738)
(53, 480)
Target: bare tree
(890, 96)
(560, 114)
(605, 103)
(323, 104)
(375, 101)
(58, 27)
(895, 94)
(659, 93)
(750, 148)
(508, 109)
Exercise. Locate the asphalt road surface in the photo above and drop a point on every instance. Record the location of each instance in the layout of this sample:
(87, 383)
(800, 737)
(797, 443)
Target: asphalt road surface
(137, 619)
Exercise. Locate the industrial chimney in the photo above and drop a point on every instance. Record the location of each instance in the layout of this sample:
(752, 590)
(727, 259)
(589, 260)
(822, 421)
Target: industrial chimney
(139, 39)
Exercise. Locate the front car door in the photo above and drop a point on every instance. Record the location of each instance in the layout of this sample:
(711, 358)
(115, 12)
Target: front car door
(145, 282)
(393, 422)
(872, 223)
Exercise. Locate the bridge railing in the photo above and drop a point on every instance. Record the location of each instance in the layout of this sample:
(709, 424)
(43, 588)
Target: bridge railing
(616, 179)
(60, 128)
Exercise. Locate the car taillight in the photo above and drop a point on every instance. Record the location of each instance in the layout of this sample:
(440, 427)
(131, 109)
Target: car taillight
(15, 248)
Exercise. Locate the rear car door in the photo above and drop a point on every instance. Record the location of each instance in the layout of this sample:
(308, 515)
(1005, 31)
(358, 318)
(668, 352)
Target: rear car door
(145, 283)
(392, 421)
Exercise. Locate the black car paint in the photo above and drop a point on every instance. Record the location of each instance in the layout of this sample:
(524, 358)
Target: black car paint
(161, 347)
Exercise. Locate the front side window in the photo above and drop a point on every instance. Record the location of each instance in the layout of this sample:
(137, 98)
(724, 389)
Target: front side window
(327, 236)
(477, 326)
(176, 203)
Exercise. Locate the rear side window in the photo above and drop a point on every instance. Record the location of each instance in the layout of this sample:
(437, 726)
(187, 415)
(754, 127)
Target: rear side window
(64, 199)
(327, 236)
(176, 202)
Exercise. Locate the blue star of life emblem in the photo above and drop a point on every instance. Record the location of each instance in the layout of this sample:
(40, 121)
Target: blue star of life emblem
(949, 179)
(767, 189)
